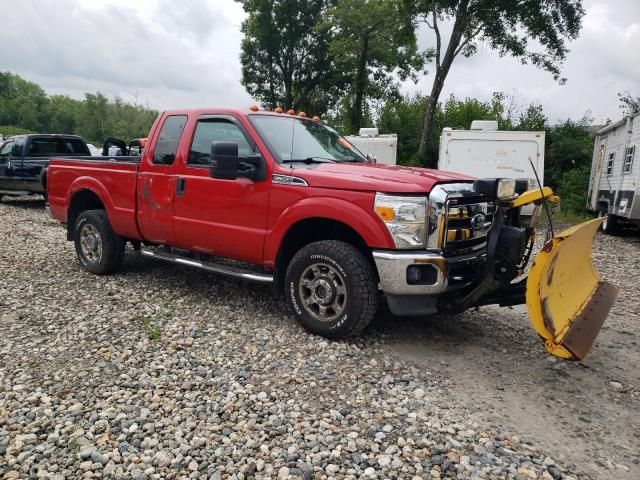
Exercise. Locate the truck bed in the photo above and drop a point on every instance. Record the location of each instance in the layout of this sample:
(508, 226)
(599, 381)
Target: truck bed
(112, 178)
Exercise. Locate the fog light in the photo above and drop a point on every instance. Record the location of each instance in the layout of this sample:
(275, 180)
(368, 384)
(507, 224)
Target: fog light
(422, 274)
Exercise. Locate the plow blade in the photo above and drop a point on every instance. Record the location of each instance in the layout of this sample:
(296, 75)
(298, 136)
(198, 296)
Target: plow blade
(567, 300)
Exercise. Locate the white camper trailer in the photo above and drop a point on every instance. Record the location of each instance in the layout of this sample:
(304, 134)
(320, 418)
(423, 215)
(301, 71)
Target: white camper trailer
(485, 151)
(384, 148)
(614, 185)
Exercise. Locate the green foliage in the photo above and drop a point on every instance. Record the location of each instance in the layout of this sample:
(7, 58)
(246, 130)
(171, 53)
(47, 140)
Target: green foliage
(404, 116)
(629, 104)
(568, 146)
(374, 43)
(285, 56)
(26, 108)
(573, 189)
(9, 130)
(324, 56)
(152, 330)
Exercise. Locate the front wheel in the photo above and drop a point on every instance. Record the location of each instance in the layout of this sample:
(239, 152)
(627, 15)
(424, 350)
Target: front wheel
(98, 248)
(331, 287)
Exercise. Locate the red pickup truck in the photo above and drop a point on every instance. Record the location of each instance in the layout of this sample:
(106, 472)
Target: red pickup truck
(283, 199)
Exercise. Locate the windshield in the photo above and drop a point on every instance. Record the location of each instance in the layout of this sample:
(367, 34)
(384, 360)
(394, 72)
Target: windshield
(293, 139)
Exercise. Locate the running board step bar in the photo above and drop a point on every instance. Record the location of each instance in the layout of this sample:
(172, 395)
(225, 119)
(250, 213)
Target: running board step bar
(210, 267)
(16, 193)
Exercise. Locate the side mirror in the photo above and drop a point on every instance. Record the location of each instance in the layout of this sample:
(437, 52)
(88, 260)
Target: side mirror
(224, 160)
(371, 158)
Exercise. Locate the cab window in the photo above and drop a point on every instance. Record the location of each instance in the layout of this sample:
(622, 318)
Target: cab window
(168, 140)
(216, 130)
(5, 150)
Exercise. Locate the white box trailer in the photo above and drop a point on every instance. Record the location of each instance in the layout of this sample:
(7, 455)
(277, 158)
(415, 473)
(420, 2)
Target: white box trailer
(485, 151)
(614, 185)
(383, 147)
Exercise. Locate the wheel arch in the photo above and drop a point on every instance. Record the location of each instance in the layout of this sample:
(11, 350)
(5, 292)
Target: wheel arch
(82, 200)
(310, 230)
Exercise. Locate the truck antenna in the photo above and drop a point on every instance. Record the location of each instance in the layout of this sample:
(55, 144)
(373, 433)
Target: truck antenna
(544, 200)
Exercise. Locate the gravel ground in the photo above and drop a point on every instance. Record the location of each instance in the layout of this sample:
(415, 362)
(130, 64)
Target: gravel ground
(165, 372)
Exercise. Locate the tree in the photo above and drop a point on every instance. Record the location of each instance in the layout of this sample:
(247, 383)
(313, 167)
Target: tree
(534, 31)
(372, 41)
(629, 104)
(285, 58)
(404, 116)
(568, 146)
(533, 118)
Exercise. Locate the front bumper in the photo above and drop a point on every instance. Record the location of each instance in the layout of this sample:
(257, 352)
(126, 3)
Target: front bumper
(393, 270)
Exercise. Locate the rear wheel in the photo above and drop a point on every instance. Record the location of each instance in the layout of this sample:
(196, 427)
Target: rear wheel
(98, 248)
(610, 222)
(331, 288)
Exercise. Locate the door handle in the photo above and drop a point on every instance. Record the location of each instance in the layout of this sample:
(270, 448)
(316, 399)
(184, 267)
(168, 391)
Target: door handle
(180, 187)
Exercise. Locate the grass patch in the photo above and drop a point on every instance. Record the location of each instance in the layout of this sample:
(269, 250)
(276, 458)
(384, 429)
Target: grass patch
(152, 330)
(571, 217)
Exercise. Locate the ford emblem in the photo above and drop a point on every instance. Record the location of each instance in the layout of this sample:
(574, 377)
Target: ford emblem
(478, 221)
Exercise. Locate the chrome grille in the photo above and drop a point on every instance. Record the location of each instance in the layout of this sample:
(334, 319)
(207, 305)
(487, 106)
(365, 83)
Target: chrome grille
(459, 220)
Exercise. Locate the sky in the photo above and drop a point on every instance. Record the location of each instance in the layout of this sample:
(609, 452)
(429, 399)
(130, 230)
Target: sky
(174, 54)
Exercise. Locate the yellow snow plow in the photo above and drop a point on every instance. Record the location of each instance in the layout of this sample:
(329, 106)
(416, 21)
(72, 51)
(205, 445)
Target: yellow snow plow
(567, 300)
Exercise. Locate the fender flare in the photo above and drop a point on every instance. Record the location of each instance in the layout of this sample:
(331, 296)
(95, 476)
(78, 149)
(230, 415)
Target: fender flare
(92, 185)
(365, 223)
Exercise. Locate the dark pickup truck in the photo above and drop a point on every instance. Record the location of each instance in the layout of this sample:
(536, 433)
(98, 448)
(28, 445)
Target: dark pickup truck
(24, 158)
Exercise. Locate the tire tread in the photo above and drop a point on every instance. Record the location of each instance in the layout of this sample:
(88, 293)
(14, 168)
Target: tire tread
(113, 244)
(363, 276)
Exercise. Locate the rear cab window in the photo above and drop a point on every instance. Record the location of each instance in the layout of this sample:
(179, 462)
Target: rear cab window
(168, 140)
(46, 147)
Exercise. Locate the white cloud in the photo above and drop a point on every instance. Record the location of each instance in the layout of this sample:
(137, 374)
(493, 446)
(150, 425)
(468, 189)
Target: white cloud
(167, 53)
(186, 54)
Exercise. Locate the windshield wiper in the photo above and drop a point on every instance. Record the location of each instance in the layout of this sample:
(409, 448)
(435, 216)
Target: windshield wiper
(310, 160)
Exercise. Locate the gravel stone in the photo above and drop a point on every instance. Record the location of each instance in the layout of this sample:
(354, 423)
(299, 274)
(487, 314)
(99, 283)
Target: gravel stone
(228, 385)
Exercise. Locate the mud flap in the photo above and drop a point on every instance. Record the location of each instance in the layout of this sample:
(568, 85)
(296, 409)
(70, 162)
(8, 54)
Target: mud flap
(567, 300)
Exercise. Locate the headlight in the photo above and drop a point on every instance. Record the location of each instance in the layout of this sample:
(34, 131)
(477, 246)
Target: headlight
(405, 217)
(496, 188)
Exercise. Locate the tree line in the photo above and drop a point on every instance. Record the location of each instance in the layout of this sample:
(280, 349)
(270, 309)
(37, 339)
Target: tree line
(25, 108)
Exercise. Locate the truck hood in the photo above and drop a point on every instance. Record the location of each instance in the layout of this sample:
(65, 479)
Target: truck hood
(375, 177)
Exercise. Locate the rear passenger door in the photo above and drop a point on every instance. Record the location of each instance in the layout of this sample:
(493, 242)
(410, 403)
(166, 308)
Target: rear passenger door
(157, 183)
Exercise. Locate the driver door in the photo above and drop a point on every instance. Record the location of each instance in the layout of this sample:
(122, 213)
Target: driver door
(226, 218)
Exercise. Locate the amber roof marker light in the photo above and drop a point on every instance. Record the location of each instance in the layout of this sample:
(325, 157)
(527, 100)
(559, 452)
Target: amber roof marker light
(278, 110)
(254, 108)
